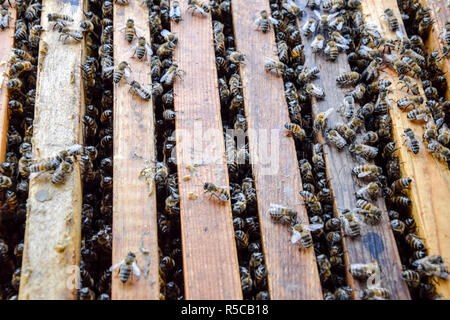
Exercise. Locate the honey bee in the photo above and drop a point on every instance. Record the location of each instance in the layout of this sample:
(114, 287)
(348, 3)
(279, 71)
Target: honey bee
(363, 151)
(438, 150)
(369, 207)
(318, 43)
(425, 26)
(169, 36)
(63, 169)
(371, 72)
(142, 91)
(333, 5)
(414, 241)
(409, 83)
(295, 130)
(368, 192)
(241, 238)
(265, 22)
(307, 74)
(401, 184)
(14, 84)
(127, 267)
(446, 34)
(121, 70)
(324, 266)
(391, 19)
(331, 50)
(370, 137)
(375, 293)
(411, 141)
(142, 48)
(301, 233)
(21, 30)
(61, 20)
(411, 277)
(4, 18)
(411, 101)
(297, 53)
(67, 33)
(351, 224)
(49, 165)
(197, 5)
(444, 135)
(348, 106)
(19, 54)
(169, 114)
(275, 67)
(171, 74)
(175, 12)
(309, 27)
(358, 92)
(365, 111)
(401, 201)
(282, 214)
(311, 201)
(321, 120)
(221, 193)
(336, 139)
(363, 271)
(130, 30)
(348, 78)
(314, 91)
(240, 202)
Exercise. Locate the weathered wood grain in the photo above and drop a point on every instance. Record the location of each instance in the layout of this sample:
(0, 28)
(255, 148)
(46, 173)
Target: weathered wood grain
(54, 211)
(431, 179)
(209, 252)
(134, 210)
(6, 43)
(435, 42)
(376, 242)
(292, 273)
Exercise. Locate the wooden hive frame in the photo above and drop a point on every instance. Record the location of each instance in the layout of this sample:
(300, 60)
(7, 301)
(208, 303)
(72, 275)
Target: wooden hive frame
(53, 226)
(376, 242)
(431, 179)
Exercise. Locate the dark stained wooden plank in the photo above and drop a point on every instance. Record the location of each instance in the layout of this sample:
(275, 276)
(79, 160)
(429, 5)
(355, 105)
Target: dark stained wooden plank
(210, 262)
(56, 220)
(134, 209)
(376, 242)
(431, 179)
(292, 273)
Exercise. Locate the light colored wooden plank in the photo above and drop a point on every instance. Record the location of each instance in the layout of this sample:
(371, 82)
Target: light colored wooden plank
(210, 261)
(440, 15)
(46, 272)
(6, 43)
(431, 179)
(134, 215)
(292, 273)
(343, 185)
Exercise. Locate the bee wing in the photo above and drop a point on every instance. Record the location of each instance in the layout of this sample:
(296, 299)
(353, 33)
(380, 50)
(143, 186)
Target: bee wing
(257, 21)
(276, 206)
(318, 15)
(328, 112)
(136, 29)
(274, 21)
(134, 46)
(315, 226)
(165, 33)
(296, 236)
(127, 72)
(199, 9)
(327, 49)
(136, 270)
(117, 265)
(332, 16)
(164, 77)
(74, 149)
(149, 51)
(108, 69)
(342, 46)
